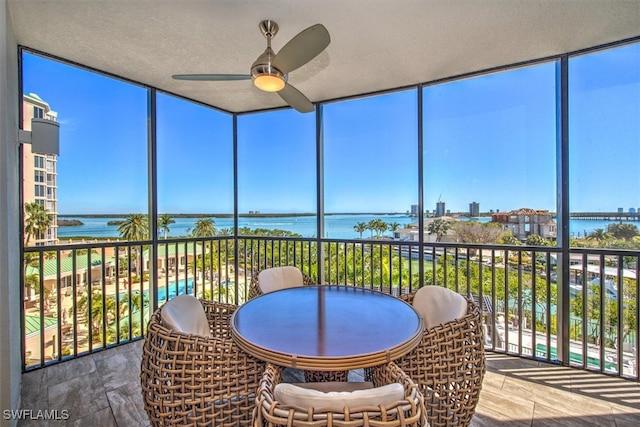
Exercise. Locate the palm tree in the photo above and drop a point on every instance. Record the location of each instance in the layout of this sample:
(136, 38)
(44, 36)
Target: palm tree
(360, 227)
(599, 234)
(36, 221)
(225, 232)
(393, 227)
(382, 227)
(94, 314)
(164, 221)
(371, 226)
(439, 227)
(134, 227)
(205, 227)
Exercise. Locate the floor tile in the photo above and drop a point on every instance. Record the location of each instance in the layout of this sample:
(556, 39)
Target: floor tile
(103, 389)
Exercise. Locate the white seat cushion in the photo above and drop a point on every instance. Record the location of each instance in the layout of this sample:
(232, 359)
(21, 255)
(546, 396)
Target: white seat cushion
(276, 278)
(336, 401)
(184, 313)
(438, 305)
(327, 386)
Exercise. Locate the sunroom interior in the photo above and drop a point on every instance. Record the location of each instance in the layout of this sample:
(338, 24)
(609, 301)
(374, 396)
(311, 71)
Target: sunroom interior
(403, 75)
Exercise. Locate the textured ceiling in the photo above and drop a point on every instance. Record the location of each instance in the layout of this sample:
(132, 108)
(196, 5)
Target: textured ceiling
(375, 45)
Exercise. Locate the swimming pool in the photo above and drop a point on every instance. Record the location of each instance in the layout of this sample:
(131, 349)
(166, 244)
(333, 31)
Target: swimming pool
(173, 288)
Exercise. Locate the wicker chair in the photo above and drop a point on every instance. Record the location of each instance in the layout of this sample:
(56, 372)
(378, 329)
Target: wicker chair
(449, 365)
(193, 380)
(407, 412)
(256, 291)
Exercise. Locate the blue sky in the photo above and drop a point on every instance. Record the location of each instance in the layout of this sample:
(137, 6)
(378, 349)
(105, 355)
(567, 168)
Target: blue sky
(489, 139)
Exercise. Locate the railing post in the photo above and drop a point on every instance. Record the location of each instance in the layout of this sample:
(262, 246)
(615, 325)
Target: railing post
(562, 135)
(320, 191)
(153, 203)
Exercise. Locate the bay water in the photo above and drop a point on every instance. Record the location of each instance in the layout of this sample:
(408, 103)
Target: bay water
(337, 226)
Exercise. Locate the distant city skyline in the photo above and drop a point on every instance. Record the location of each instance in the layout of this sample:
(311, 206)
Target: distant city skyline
(491, 139)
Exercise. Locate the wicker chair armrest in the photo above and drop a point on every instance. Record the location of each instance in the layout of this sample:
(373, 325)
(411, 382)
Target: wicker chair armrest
(308, 281)
(254, 287)
(219, 317)
(408, 298)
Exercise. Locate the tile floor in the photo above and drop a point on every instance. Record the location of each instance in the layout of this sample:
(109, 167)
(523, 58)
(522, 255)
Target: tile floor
(103, 390)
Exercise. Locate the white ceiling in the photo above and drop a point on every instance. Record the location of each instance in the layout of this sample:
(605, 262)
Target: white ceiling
(375, 45)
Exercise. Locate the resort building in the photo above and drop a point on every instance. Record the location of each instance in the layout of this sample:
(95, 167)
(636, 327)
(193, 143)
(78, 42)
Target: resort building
(39, 175)
(525, 222)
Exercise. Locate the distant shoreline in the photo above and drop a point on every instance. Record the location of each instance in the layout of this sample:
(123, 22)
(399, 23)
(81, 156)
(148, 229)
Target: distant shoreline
(219, 215)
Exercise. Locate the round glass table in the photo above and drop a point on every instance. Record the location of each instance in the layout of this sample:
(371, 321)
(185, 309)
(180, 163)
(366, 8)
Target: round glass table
(326, 327)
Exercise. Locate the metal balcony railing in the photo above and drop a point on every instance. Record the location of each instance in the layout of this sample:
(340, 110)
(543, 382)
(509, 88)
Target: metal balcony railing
(81, 298)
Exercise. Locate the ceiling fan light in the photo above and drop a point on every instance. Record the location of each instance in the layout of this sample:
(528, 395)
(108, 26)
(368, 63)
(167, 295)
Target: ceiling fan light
(269, 82)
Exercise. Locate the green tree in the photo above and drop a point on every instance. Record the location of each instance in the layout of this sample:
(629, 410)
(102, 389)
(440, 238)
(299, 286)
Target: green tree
(97, 312)
(204, 227)
(439, 227)
(371, 226)
(623, 231)
(36, 221)
(164, 221)
(509, 239)
(379, 226)
(599, 234)
(134, 227)
(393, 227)
(477, 232)
(535, 240)
(360, 228)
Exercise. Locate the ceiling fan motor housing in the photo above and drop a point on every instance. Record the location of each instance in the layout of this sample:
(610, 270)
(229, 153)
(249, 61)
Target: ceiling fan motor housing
(265, 76)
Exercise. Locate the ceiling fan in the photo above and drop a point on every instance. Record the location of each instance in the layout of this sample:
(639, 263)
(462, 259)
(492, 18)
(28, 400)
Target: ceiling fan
(270, 71)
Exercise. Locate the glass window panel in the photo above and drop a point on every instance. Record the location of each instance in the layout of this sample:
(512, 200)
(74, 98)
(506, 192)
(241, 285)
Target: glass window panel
(277, 172)
(195, 167)
(489, 148)
(370, 163)
(604, 146)
(102, 167)
(38, 162)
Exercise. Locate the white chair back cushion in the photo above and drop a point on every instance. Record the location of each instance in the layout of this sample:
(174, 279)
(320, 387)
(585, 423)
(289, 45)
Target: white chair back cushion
(276, 278)
(336, 401)
(184, 313)
(438, 305)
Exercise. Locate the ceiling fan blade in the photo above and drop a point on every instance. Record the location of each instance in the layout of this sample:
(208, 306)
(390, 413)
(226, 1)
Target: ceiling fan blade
(296, 99)
(212, 77)
(302, 48)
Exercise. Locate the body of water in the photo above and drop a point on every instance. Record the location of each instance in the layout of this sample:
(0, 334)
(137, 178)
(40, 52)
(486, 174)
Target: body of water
(336, 226)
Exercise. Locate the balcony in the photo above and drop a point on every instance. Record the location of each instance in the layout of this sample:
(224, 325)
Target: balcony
(561, 322)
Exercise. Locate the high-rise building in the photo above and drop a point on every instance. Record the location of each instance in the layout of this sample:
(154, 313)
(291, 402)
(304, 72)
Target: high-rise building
(474, 209)
(414, 210)
(440, 209)
(39, 170)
